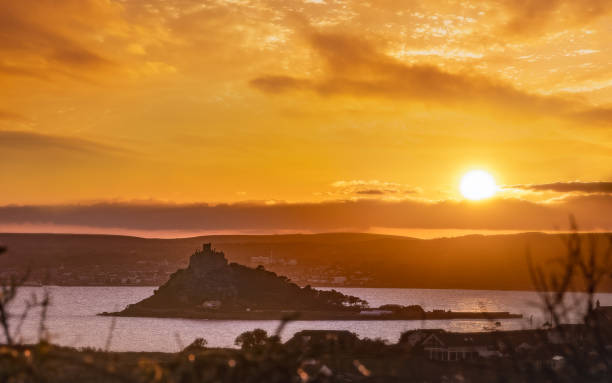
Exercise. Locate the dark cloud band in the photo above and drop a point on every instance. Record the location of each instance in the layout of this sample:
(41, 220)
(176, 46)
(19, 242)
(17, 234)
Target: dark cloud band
(591, 212)
(569, 187)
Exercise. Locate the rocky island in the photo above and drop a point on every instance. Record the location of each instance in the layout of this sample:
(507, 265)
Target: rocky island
(212, 288)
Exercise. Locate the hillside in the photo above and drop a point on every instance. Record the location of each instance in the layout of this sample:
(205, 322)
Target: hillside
(470, 262)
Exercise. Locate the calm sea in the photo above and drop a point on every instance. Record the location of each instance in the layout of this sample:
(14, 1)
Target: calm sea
(72, 320)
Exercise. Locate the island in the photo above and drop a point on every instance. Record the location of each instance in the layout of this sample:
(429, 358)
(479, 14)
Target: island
(212, 288)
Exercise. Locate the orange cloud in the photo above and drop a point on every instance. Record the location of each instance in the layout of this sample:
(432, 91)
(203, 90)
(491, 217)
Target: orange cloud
(532, 16)
(43, 38)
(356, 68)
(371, 188)
(11, 116)
(34, 142)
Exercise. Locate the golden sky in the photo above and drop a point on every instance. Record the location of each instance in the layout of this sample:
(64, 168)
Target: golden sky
(292, 109)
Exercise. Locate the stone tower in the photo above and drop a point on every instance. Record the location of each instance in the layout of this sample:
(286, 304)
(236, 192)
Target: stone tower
(206, 260)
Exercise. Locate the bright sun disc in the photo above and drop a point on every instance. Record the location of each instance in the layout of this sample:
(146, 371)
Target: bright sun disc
(477, 184)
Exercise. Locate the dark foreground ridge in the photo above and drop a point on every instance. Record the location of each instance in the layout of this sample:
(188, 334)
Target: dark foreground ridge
(564, 354)
(212, 288)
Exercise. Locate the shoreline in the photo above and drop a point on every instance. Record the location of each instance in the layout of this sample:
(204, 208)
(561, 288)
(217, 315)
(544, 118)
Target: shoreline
(349, 287)
(311, 315)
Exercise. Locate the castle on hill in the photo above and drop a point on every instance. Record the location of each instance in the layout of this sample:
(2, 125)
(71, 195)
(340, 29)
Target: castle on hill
(206, 260)
(211, 283)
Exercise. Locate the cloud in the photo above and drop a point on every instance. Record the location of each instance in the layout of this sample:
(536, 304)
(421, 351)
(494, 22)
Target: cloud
(599, 115)
(371, 192)
(355, 67)
(592, 212)
(78, 57)
(280, 84)
(11, 116)
(30, 141)
(371, 188)
(532, 16)
(569, 187)
(38, 37)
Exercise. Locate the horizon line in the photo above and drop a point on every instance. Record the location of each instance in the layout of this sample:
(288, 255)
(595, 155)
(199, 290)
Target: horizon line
(459, 233)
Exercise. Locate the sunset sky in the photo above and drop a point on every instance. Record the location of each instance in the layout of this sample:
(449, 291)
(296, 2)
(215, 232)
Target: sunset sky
(176, 117)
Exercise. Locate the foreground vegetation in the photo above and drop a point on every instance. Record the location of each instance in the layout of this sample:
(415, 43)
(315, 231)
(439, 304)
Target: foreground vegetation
(263, 358)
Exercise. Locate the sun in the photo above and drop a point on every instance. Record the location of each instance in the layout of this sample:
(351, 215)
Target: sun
(477, 185)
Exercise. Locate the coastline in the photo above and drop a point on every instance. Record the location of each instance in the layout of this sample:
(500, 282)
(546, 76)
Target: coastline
(309, 315)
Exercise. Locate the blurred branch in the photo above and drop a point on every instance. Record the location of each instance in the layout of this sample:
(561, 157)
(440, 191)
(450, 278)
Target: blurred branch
(9, 289)
(565, 292)
(8, 292)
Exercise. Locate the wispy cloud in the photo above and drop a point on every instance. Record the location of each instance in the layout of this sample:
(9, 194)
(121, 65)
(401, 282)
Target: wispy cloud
(11, 116)
(31, 141)
(569, 187)
(355, 67)
(42, 38)
(533, 16)
(371, 188)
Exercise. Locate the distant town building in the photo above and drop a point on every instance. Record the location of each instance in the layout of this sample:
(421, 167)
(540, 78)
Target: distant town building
(211, 304)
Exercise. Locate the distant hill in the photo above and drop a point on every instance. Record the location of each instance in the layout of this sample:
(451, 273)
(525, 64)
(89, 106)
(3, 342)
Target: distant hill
(343, 259)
